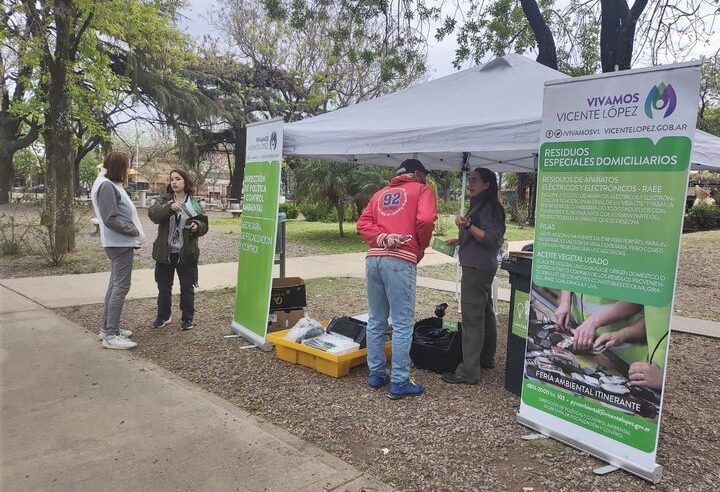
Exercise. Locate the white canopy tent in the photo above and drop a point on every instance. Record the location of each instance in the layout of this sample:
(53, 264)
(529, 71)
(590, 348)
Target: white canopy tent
(489, 116)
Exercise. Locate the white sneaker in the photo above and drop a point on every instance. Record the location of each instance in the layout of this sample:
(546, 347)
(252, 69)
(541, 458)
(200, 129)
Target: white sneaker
(118, 343)
(123, 333)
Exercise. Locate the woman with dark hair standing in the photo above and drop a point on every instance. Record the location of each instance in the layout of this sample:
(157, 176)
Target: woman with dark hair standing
(120, 233)
(481, 233)
(180, 222)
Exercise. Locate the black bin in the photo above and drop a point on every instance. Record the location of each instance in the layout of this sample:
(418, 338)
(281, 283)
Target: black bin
(520, 270)
(351, 328)
(436, 348)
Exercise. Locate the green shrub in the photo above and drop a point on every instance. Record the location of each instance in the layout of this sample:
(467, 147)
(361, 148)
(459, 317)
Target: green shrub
(705, 217)
(311, 212)
(450, 207)
(332, 216)
(13, 235)
(444, 225)
(290, 210)
(520, 214)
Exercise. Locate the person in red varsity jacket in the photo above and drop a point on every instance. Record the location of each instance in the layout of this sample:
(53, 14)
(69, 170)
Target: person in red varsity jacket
(397, 224)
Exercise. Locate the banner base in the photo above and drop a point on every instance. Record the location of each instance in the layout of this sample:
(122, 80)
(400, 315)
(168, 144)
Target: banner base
(653, 475)
(605, 470)
(251, 337)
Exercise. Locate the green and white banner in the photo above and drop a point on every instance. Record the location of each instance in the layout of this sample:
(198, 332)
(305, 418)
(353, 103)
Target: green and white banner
(612, 177)
(261, 191)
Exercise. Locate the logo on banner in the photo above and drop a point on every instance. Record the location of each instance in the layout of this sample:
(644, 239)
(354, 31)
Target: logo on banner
(660, 98)
(273, 141)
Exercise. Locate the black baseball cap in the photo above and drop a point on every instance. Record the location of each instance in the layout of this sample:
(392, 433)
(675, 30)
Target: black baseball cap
(410, 166)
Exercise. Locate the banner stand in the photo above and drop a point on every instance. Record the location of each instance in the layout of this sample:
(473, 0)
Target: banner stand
(251, 337)
(653, 475)
(612, 179)
(258, 232)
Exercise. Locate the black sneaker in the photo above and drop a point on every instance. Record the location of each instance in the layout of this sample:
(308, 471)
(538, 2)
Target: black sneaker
(187, 324)
(452, 378)
(159, 323)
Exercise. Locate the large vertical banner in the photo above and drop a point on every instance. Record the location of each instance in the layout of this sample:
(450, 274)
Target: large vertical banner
(612, 179)
(261, 189)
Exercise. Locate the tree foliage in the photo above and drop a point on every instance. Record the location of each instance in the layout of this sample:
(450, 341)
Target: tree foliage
(291, 59)
(79, 46)
(20, 115)
(339, 185)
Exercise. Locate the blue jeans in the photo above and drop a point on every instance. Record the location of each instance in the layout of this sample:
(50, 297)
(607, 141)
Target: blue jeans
(391, 291)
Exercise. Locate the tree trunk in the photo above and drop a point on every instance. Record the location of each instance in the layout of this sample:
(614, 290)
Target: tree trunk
(340, 208)
(76, 174)
(547, 53)
(59, 182)
(8, 147)
(238, 174)
(617, 33)
(58, 141)
(7, 172)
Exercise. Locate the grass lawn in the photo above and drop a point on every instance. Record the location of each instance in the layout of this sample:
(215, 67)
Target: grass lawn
(226, 224)
(305, 238)
(445, 229)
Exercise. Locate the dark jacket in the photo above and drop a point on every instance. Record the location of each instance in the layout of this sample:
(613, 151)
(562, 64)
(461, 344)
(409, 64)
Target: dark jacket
(482, 254)
(160, 213)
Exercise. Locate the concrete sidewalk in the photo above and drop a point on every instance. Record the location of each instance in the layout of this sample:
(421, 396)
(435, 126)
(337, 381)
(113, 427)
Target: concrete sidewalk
(89, 288)
(76, 417)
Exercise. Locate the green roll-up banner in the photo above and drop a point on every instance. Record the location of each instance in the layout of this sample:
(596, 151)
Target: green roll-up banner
(261, 190)
(612, 178)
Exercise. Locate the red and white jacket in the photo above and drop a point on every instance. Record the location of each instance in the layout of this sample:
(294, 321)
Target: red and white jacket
(405, 206)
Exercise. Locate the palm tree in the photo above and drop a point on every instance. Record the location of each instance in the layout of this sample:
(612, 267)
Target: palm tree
(325, 182)
(339, 185)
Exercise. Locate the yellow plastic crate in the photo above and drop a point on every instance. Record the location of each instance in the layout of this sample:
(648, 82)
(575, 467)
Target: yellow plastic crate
(333, 365)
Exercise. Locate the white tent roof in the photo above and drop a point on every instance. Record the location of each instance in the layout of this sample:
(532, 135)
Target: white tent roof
(492, 112)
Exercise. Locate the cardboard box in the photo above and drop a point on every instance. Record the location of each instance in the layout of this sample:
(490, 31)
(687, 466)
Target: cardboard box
(288, 293)
(284, 320)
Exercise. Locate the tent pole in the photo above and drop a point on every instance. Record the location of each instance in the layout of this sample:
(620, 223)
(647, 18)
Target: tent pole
(458, 272)
(533, 193)
(465, 169)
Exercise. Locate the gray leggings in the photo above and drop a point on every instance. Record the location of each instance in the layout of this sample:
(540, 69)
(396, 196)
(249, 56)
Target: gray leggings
(120, 273)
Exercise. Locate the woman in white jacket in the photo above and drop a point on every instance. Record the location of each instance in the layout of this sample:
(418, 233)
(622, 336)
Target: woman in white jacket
(120, 233)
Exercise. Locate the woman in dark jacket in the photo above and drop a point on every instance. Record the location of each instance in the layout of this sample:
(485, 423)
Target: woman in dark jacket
(180, 222)
(481, 233)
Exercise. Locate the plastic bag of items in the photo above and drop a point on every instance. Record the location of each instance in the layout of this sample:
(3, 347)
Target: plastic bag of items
(305, 328)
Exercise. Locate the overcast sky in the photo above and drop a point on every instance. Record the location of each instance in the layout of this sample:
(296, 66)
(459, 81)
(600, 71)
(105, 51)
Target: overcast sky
(440, 55)
(195, 23)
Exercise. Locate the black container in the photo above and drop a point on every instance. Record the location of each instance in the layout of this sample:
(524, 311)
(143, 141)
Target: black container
(520, 270)
(351, 328)
(288, 293)
(435, 348)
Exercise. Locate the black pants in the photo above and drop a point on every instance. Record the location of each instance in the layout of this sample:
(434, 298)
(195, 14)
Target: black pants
(164, 276)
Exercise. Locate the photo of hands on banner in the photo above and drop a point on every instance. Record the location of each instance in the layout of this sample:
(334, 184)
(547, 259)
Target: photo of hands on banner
(608, 350)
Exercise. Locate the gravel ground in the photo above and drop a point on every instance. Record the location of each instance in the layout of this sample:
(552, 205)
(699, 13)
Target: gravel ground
(450, 439)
